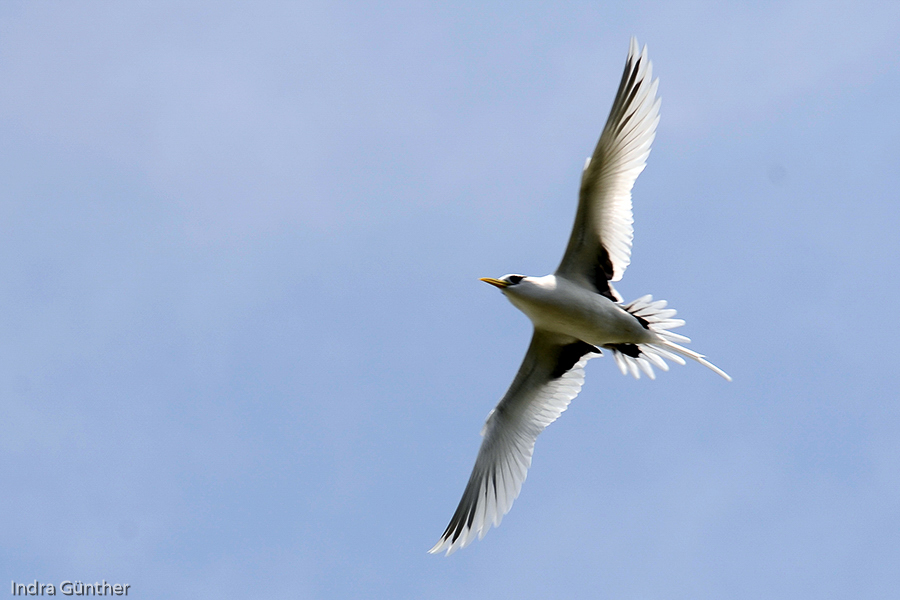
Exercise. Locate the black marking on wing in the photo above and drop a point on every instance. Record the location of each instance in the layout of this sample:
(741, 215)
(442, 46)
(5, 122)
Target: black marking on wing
(602, 273)
(569, 355)
(464, 516)
(631, 350)
(465, 512)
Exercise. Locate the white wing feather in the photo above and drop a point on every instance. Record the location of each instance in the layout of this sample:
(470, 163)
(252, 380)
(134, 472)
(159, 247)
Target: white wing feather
(603, 223)
(535, 400)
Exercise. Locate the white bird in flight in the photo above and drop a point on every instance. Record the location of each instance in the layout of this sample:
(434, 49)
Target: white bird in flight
(576, 312)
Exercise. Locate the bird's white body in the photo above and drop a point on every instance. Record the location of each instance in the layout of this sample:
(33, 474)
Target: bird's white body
(555, 304)
(576, 312)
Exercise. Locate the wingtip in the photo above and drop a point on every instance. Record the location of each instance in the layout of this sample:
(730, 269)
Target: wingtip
(447, 544)
(635, 49)
(443, 543)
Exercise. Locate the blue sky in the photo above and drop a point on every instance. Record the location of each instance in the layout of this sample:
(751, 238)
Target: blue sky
(244, 351)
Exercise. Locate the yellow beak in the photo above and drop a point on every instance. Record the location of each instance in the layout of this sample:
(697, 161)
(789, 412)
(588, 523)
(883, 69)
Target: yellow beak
(495, 282)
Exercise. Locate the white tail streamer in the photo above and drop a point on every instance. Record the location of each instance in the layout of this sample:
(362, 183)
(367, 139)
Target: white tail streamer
(659, 320)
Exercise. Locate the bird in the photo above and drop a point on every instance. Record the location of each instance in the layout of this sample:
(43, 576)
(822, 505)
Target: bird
(576, 312)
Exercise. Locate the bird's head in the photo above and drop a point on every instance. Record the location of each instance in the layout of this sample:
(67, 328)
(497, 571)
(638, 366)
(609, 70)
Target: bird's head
(504, 282)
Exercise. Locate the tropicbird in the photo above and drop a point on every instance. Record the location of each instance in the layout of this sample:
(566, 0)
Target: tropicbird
(576, 312)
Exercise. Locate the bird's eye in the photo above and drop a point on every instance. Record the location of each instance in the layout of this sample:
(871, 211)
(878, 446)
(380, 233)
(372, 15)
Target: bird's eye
(514, 279)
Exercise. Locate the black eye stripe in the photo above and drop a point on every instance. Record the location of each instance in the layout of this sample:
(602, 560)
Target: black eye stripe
(514, 279)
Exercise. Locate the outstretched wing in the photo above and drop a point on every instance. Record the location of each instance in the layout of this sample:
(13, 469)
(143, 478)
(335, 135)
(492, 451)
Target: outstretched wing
(599, 248)
(551, 375)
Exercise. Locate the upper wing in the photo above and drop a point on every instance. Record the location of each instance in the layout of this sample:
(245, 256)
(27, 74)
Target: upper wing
(551, 375)
(599, 249)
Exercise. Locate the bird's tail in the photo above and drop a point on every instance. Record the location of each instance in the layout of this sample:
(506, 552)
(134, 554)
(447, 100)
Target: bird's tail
(634, 358)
